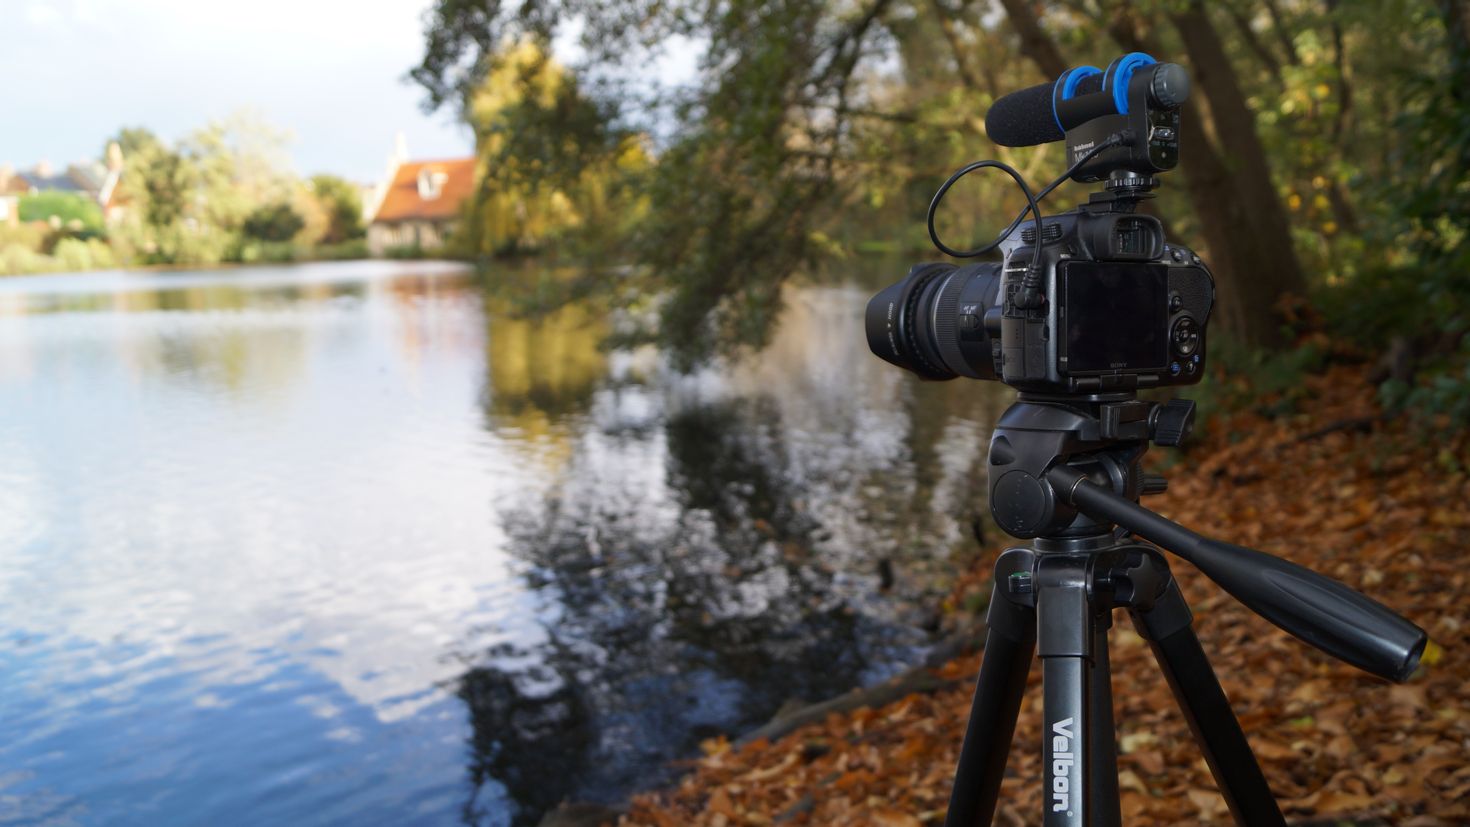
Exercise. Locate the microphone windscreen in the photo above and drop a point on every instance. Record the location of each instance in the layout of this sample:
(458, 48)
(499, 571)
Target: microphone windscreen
(1024, 118)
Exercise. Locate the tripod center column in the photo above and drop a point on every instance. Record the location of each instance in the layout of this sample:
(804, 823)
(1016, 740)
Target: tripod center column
(1064, 644)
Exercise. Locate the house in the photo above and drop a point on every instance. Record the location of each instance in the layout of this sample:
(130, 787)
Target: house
(12, 187)
(419, 203)
(95, 181)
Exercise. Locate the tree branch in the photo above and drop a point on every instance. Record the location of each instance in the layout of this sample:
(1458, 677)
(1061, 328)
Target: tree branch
(1035, 44)
(962, 66)
(1278, 24)
(1248, 34)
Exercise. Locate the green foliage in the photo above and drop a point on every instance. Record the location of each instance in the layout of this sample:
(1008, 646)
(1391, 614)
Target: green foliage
(187, 204)
(1440, 402)
(1417, 300)
(342, 251)
(273, 222)
(157, 180)
(555, 176)
(343, 206)
(69, 255)
(75, 254)
(1270, 380)
(72, 211)
(19, 260)
(405, 251)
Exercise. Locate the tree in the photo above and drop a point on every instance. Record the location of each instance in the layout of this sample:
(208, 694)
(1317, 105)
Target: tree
(187, 203)
(553, 169)
(156, 179)
(343, 206)
(241, 163)
(738, 191)
(273, 222)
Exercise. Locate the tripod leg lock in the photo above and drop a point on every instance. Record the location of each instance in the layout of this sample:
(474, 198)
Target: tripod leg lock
(1013, 590)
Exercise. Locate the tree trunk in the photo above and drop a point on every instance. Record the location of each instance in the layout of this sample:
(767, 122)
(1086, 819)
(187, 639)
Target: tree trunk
(1264, 266)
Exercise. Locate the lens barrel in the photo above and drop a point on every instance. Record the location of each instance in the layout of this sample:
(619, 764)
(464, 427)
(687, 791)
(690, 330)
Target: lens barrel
(932, 322)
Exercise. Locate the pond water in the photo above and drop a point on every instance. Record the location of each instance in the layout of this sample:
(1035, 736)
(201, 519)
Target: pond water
(352, 543)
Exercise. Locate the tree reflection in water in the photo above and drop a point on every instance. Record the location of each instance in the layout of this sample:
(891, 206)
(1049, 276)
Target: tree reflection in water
(691, 585)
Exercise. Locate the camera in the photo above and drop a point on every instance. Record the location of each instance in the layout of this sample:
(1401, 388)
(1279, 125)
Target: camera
(1094, 300)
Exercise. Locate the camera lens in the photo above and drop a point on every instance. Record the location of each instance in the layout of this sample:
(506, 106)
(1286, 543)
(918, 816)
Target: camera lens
(932, 322)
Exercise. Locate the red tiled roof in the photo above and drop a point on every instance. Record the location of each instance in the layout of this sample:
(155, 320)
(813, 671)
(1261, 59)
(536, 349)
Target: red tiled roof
(402, 202)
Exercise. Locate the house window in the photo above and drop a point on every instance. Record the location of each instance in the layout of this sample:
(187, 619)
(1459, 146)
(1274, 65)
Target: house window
(431, 183)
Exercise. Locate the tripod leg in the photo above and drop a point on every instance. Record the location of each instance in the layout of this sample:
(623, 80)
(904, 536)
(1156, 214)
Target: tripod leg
(1166, 626)
(1102, 747)
(1009, 645)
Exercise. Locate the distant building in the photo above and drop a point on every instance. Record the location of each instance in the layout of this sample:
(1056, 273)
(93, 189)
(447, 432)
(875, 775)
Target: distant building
(12, 187)
(419, 202)
(96, 181)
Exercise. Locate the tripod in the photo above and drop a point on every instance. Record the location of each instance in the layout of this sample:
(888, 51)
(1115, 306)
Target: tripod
(1065, 471)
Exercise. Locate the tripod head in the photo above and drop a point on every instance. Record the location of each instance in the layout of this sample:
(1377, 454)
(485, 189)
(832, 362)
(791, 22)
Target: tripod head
(1068, 468)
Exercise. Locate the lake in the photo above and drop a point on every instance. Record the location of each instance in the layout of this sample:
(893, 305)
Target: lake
(352, 542)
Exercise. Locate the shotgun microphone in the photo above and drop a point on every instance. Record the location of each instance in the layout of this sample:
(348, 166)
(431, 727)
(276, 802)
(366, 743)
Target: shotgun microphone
(1044, 113)
(1026, 117)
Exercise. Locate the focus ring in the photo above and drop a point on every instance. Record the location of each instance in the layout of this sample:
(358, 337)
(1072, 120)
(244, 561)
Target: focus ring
(946, 325)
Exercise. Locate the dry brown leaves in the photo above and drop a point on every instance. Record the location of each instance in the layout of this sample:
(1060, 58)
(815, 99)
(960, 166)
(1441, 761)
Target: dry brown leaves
(1379, 511)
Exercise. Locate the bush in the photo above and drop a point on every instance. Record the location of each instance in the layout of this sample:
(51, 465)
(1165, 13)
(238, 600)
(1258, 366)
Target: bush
(273, 222)
(405, 251)
(72, 254)
(269, 252)
(19, 260)
(1439, 398)
(352, 249)
(73, 210)
(1271, 380)
(31, 236)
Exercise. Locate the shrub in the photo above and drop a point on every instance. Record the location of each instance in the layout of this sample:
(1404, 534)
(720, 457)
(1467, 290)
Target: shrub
(273, 222)
(73, 254)
(73, 210)
(18, 260)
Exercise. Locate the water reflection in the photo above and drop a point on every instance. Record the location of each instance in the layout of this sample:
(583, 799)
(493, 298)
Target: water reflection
(710, 538)
(353, 542)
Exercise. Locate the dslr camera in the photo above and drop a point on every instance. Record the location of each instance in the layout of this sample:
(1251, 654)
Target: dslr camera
(1094, 300)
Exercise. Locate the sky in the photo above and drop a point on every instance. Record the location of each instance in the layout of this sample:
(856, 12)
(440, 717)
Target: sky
(330, 72)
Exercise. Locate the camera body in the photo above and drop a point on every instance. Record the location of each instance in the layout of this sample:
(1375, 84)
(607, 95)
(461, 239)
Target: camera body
(1125, 310)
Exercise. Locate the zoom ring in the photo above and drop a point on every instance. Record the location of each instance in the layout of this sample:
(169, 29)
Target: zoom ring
(910, 328)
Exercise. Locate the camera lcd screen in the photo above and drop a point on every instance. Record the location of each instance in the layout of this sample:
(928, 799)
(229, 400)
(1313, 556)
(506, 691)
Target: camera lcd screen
(1117, 315)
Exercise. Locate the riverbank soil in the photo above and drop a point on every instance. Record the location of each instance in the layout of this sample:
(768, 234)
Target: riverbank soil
(1336, 486)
